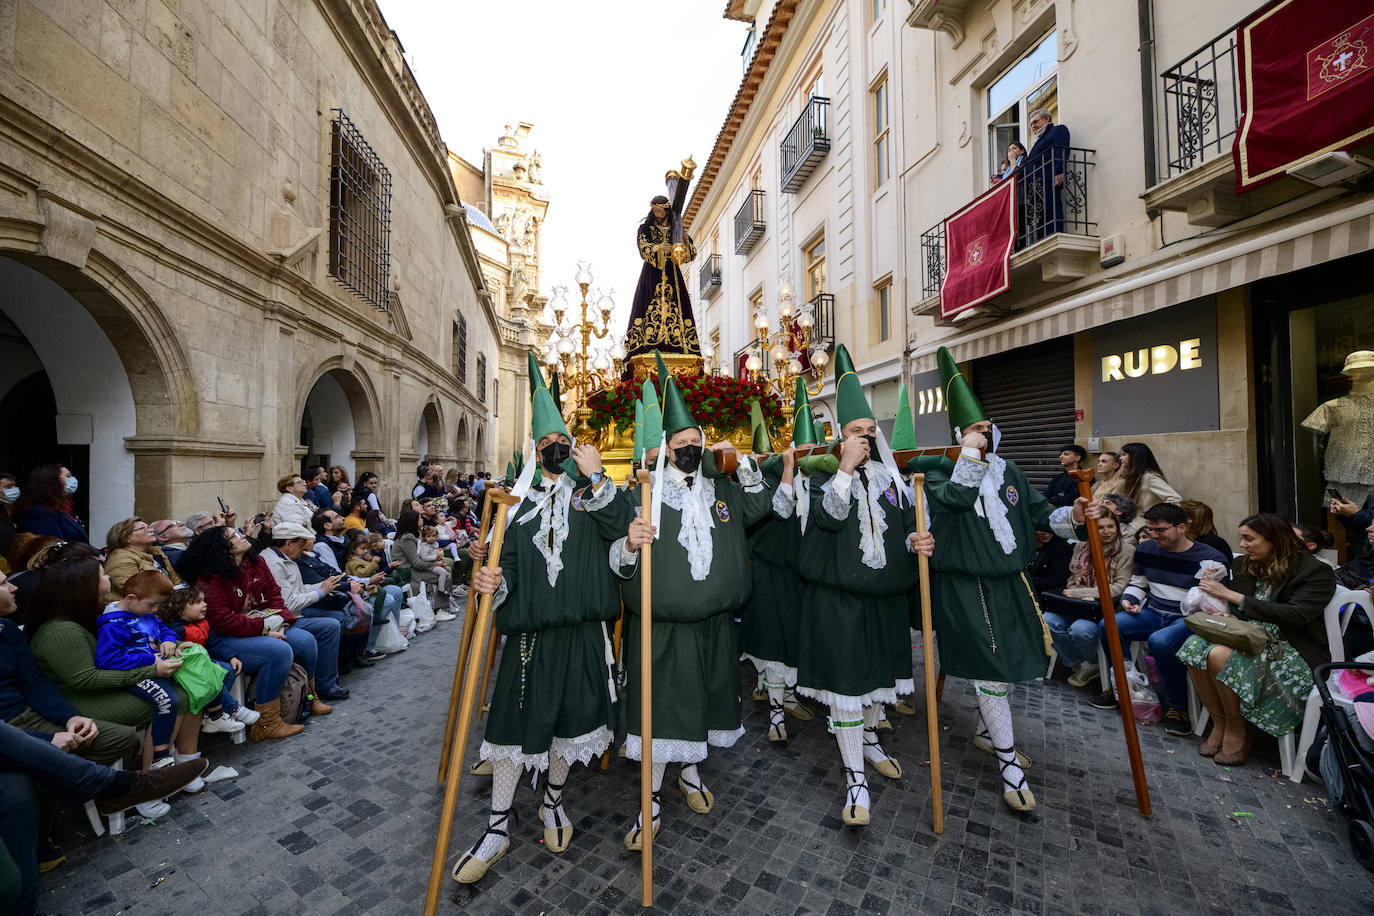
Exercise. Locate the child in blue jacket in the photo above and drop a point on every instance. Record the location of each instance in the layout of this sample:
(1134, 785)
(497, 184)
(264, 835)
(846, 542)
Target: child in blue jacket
(130, 636)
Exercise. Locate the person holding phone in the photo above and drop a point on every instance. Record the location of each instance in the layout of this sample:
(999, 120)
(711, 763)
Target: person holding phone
(320, 614)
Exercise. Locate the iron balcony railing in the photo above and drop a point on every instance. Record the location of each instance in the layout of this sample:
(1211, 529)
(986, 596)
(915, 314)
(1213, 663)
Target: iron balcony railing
(823, 331)
(1051, 198)
(1201, 105)
(710, 276)
(749, 224)
(805, 144)
(742, 354)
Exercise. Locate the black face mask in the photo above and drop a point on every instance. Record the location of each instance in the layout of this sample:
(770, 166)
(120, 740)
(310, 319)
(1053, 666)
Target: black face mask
(687, 458)
(552, 456)
(872, 447)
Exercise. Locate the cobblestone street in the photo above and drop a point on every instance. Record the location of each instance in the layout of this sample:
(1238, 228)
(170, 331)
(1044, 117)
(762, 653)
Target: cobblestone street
(342, 820)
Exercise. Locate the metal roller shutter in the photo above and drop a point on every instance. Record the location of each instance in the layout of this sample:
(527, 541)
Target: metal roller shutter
(1028, 393)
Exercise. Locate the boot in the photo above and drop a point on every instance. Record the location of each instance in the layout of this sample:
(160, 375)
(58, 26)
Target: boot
(270, 724)
(318, 707)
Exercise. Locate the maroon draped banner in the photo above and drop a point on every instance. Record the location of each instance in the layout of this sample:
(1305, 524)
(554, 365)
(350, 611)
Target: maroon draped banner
(978, 244)
(1304, 71)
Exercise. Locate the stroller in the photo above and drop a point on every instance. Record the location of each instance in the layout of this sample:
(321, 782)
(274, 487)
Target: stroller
(1347, 767)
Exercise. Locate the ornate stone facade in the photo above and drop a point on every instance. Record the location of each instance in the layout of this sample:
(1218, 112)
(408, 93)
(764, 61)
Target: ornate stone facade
(230, 244)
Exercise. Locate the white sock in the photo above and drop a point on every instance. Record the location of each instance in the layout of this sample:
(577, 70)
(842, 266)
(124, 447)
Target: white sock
(775, 684)
(553, 798)
(182, 758)
(692, 777)
(873, 751)
(659, 770)
(847, 726)
(995, 710)
(505, 775)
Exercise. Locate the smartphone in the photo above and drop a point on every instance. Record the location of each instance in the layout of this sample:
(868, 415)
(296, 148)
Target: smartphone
(1334, 493)
(223, 507)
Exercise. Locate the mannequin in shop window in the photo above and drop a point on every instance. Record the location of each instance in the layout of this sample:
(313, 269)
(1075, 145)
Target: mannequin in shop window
(1346, 425)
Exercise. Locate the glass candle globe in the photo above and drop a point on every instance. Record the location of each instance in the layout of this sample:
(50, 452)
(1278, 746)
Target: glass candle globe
(584, 273)
(602, 363)
(566, 346)
(820, 359)
(806, 319)
(794, 366)
(617, 351)
(779, 354)
(761, 320)
(753, 363)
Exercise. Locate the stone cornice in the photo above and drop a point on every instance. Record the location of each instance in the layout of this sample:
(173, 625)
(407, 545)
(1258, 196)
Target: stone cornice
(200, 448)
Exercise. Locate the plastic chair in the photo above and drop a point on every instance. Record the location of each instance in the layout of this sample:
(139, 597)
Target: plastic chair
(1337, 615)
(236, 691)
(116, 819)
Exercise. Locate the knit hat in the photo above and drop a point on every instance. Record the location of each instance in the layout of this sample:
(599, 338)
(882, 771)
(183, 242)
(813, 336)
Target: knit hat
(803, 425)
(903, 428)
(960, 401)
(850, 403)
(759, 429)
(545, 417)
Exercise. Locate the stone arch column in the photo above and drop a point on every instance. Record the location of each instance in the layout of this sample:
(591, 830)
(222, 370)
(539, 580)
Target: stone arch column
(340, 402)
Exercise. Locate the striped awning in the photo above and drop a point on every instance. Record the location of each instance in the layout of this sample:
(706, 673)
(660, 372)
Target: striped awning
(1273, 251)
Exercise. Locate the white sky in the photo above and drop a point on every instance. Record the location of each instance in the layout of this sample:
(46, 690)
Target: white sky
(607, 123)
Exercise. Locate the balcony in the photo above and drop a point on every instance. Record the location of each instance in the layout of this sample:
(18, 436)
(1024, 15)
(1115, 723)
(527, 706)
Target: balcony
(749, 224)
(710, 276)
(1056, 233)
(823, 331)
(805, 144)
(940, 15)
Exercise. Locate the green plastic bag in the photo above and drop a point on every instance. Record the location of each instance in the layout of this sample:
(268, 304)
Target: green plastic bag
(199, 676)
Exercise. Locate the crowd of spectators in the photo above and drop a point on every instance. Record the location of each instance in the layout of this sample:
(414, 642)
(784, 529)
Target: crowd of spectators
(129, 654)
(1166, 561)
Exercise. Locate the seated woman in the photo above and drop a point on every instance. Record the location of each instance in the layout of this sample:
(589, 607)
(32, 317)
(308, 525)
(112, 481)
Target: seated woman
(1283, 588)
(1315, 540)
(407, 550)
(45, 505)
(133, 549)
(293, 507)
(249, 620)
(62, 621)
(1074, 624)
(1202, 528)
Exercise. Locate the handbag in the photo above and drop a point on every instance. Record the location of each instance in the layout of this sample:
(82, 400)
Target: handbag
(1223, 630)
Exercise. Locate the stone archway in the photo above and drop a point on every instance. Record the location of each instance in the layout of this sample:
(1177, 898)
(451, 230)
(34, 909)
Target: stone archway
(479, 450)
(429, 436)
(338, 418)
(119, 380)
(462, 453)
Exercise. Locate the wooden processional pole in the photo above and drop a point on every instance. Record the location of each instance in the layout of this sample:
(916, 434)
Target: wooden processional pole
(474, 660)
(918, 483)
(646, 699)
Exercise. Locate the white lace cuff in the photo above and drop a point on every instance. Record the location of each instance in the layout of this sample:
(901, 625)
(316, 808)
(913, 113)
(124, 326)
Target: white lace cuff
(839, 484)
(748, 475)
(1062, 523)
(835, 502)
(601, 498)
(784, 501)
(623, 559)
(968, 471)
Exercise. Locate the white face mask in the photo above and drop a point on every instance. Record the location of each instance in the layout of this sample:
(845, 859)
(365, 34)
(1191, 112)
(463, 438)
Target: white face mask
(71, 485)
(9, 495)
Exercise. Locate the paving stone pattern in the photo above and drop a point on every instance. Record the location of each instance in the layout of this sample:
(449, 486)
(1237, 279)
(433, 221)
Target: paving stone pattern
(342, 819)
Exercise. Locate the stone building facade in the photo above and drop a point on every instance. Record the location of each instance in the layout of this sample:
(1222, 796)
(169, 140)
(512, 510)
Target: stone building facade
(507, 205)
(231, 244)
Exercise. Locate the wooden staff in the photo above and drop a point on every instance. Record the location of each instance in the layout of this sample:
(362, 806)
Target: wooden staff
(615, 652)
(918, 483)
(646, 700)
(1123, 693)
(487, 665)
(464, 645)
(469, 695)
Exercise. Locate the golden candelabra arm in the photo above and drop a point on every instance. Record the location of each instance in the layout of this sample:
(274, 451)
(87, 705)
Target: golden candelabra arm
(583, 369)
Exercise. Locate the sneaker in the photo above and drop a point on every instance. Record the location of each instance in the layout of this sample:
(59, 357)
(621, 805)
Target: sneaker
(50, 855)
(1104, 700)
(373, 655)
(245, 715)
(221, 724)
(1083, 675)
(444, 616)
(151, 785)
(153, 810)
(1176, 722)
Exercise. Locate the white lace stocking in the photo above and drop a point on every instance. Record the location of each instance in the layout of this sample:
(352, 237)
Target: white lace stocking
(505, 775)
(873, 751)
(553, 797)
(847, 726)
(995, 710)
(659, 770)
(775, 682)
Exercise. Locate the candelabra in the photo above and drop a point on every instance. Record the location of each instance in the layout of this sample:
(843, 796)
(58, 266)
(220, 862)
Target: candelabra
(785, 347)
(582, 367)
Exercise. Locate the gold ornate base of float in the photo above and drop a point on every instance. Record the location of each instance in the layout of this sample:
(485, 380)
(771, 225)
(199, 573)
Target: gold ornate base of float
(679, 364)
(618, 449)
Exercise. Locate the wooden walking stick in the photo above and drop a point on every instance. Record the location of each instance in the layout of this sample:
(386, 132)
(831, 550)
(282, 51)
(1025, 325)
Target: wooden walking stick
(487, 665)
(646, 701)
(464, 644)
(1123, 692)
(918, 483)
(460, 738)
(615, 652)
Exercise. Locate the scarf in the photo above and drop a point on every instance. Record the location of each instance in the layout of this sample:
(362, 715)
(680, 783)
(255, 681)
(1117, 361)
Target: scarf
(1083, 573)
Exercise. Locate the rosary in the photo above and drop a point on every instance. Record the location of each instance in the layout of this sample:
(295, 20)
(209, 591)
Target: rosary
(526, 655)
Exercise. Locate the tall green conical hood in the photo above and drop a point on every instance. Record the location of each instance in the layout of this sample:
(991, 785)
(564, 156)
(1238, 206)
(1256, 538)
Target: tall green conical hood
(759, 428)
(962, 404)
(517, 462)
(653, 417)
(663, 373)
(510, 472)
(639, 430)
(903, 428)
(553, 389)
(850, 403)
(676, 416)
(545, 417)
(803, 424)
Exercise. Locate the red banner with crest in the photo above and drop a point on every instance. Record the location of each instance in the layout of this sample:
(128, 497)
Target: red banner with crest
(978, 244)
(1305, 86)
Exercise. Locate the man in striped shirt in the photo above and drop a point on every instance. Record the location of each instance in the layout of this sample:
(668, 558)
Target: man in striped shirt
(1166, 566)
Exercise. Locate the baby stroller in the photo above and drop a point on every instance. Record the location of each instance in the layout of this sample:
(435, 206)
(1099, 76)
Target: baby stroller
(1347, 768)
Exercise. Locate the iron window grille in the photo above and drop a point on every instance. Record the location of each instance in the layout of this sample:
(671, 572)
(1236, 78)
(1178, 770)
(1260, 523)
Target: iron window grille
(1201, 104)
(460, 349)
(359, 214)
(482, 377)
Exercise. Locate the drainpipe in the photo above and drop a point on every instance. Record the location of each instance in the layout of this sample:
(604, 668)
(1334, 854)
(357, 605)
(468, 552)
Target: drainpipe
(1146, 13)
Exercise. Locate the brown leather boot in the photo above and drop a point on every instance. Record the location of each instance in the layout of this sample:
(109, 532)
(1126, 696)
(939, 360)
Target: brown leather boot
(270, 724)
(318, 707)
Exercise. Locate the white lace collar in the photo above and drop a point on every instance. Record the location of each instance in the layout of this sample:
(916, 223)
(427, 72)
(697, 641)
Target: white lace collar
(695, 504)
(552, 509)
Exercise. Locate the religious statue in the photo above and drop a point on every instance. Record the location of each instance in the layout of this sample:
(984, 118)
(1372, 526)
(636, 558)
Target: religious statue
(661, 314)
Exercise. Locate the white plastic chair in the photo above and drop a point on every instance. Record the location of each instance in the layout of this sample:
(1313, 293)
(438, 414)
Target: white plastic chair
(1337, 615)
(116, 819)
(236, 691)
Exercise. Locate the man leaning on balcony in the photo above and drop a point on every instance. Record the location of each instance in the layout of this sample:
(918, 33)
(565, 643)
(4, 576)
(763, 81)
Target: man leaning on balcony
(1044, 202)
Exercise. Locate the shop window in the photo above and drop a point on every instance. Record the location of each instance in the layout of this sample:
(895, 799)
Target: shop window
(1031, 83)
